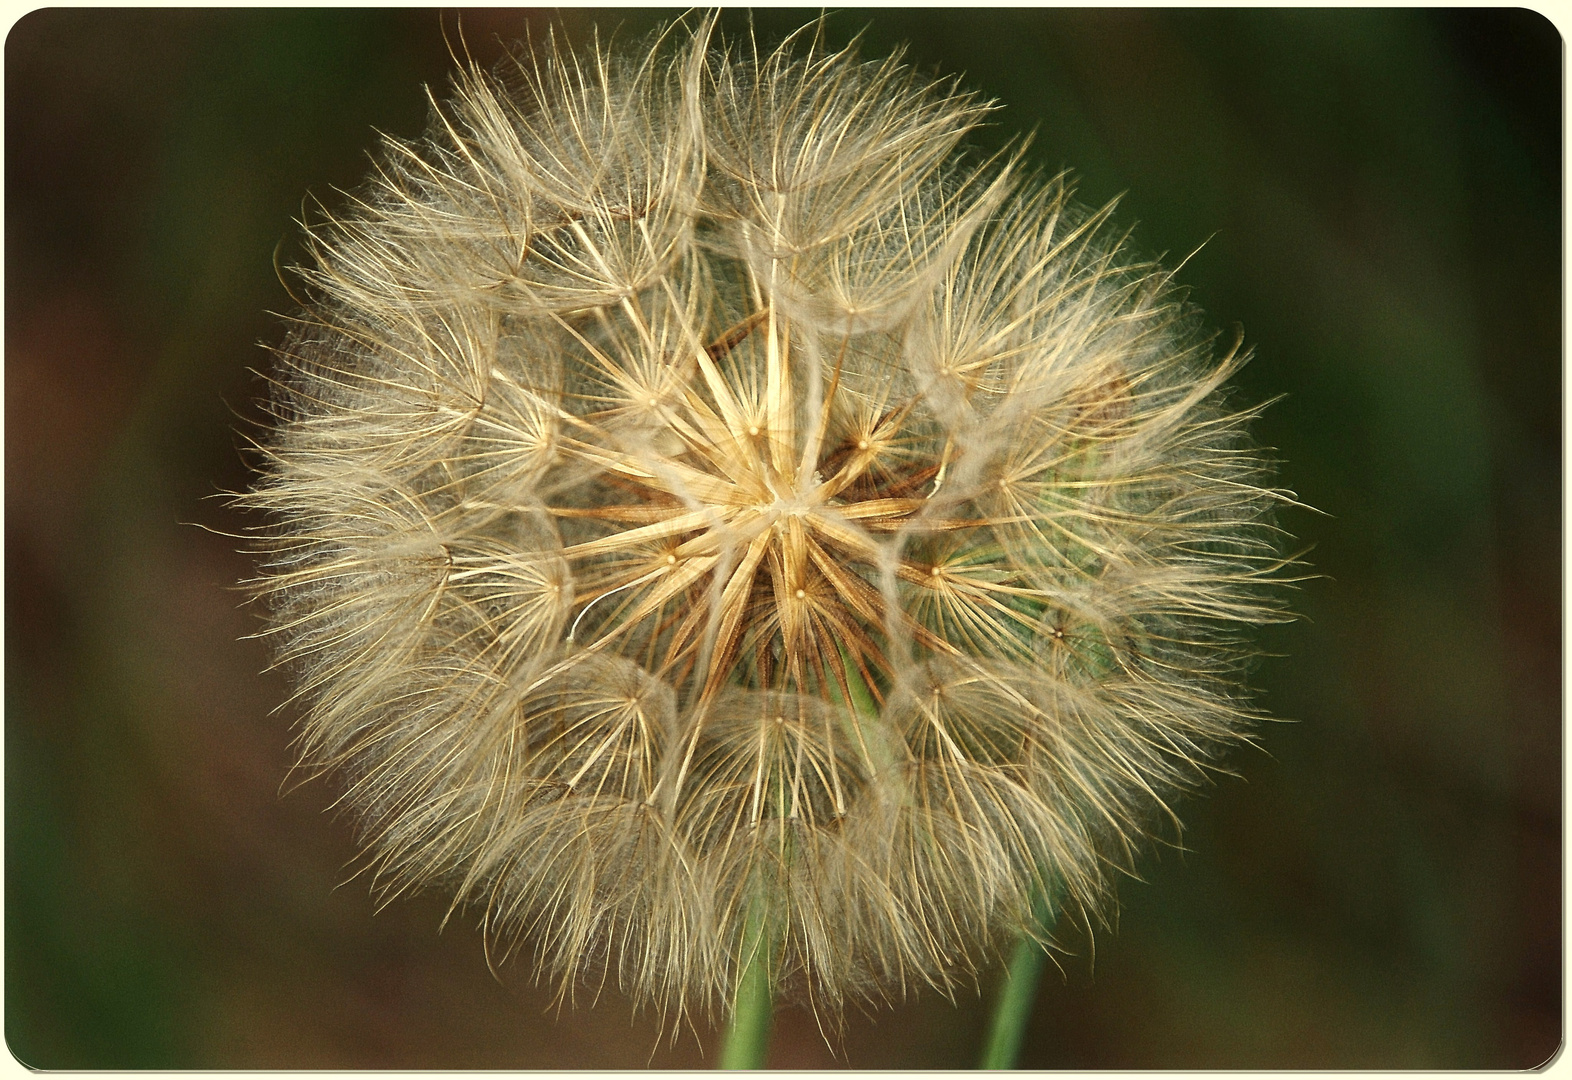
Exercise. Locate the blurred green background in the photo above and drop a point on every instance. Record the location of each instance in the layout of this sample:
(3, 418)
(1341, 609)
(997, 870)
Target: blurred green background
(1377, 193)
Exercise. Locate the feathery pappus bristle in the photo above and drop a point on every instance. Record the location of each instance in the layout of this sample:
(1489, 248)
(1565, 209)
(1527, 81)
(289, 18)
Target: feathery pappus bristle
(703, 497)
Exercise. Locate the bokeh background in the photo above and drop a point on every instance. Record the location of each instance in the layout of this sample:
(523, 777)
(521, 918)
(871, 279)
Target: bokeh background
(1376, 199)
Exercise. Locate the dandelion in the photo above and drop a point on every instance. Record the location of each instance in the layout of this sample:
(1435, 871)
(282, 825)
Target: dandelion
(719, 524)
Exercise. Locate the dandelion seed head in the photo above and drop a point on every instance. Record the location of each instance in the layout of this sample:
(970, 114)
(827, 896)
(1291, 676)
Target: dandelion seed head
(702, 492)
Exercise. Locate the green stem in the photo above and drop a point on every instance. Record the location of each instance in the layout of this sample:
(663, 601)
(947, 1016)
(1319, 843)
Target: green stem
(747, 1041)
(1014, 1008)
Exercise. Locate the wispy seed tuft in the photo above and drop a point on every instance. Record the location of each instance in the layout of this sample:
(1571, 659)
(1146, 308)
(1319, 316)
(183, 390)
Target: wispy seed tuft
(703, 497)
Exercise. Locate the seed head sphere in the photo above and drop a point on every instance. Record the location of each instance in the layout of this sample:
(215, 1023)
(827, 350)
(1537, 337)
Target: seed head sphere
(709, 511)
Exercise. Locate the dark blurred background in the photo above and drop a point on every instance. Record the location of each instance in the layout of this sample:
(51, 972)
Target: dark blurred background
(1377, 193)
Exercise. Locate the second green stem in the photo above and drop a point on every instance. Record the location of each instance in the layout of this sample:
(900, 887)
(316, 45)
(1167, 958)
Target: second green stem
(1013, 1009)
